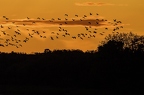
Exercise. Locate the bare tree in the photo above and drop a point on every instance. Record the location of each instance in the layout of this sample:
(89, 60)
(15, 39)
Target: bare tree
(128, 40)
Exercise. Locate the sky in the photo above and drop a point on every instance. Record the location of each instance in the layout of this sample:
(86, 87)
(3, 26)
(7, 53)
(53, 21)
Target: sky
(129, 12)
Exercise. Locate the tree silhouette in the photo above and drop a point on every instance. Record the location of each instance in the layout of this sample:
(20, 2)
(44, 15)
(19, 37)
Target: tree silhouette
(106, 69)
(47, 51)
(123, 41)
(111, 46)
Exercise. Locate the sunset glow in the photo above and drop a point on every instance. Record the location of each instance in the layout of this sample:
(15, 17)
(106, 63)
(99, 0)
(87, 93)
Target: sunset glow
(54, 24)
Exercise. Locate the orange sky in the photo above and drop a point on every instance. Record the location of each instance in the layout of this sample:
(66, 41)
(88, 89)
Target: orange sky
(129, 12)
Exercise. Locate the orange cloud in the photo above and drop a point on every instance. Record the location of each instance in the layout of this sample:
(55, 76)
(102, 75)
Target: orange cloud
(98, 4)
(51, 23)
(93, 20)
(94, 4)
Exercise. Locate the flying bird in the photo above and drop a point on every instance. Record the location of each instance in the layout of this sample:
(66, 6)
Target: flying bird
(66, 14)
(76, 15)
(52, 38)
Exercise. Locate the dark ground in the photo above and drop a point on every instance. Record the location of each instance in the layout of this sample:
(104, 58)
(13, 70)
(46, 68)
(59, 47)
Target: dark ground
(70, 72)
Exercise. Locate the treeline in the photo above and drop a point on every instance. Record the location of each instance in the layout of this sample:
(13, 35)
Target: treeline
(115, 65)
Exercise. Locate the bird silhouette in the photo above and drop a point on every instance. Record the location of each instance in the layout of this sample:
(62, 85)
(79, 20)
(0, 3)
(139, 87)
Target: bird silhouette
(59, 19)
(73, 19)
(106, 28)
(7, 18)
(76, 15)
(2, 45)
(38, 18)
(52, 38)
(28, 18)
(43, 19)
(4, 16)
(57, 37)
(44, 36)
(66, 14)
(2, 26)
(9, 28)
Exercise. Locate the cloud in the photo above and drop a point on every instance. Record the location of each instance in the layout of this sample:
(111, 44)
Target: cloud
(88, 21)
(98, 4)
(95, 21)
(94, 4)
